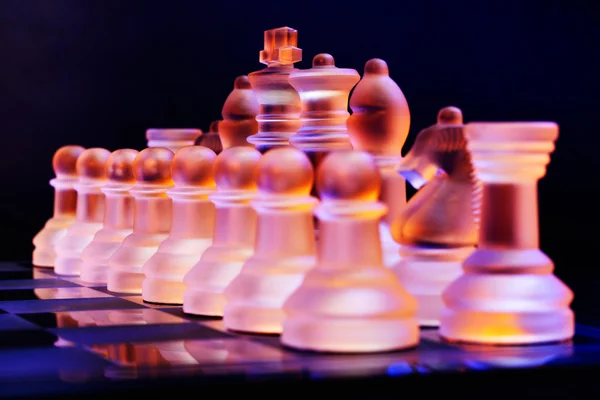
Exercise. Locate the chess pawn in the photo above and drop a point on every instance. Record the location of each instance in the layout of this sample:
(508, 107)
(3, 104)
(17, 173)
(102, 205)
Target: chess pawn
(192, 226)
(172, 138)
(235, 232)
(350, 302)
(65, 205)
(508, 293)
(379, 125)
(91, 172)
(118, 217)
(324, 90)
(151, 220)
(239, 115)
(438, 229)
(285, 244)
(279, 104)
(211, 138)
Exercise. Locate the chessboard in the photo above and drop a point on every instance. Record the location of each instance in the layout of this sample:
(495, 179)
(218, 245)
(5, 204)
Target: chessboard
(60, 337)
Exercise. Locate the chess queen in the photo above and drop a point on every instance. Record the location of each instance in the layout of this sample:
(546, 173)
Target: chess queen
(508, 293)
(91, 171)
(64, 164)
(438, 228)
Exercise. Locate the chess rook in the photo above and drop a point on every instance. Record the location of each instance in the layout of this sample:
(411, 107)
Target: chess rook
(350, 302)
(508, 293)
(91, 172)
(285, 244)
(192, 226)
(239, 115)
(172, 138)
(235, 232)
(151, 221)
(379, 125)
(65, 205)
(279, 104)
(211, 138)
(118, 217)
(438, 229)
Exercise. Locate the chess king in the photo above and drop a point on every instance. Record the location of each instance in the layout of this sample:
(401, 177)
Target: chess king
(438, 229)
(279, 104)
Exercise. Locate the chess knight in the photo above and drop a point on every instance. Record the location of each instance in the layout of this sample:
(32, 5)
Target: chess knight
(439, 227)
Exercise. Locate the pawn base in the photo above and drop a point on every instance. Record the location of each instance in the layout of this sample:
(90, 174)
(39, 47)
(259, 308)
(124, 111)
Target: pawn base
(94, 266)
(125, 282)
(204, 303)
(94, 273)
(253, 319)
(207, 280)
(360, 335)
(426, 273)
(71, 245)
(44, 255)
(43, 258)
(163, 291)
(127, 262)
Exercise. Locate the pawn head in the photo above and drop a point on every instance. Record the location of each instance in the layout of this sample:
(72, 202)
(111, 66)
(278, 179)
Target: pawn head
(348, 175)
(193, 166)
(64, 161)
(153, 166)
(285, 170)
(450, 116)
(235, 168)
(119, 166)
(91, 164)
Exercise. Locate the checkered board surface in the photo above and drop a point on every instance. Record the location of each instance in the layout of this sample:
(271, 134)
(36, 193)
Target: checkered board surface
(59, 329)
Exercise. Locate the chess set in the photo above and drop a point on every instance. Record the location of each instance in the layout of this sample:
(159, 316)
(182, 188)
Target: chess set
(281, 243)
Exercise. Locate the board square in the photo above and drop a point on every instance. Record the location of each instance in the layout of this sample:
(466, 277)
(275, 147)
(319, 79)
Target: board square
(9, 322)
(10, 339)
(34, 283)
(135, 316)
(138, 333)
(40, 306)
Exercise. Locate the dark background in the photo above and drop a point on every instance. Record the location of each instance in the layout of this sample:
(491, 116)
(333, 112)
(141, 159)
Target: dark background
(99, 72)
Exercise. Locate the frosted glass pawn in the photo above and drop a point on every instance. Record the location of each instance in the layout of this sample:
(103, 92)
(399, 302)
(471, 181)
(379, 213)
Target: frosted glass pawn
(285, 244)
(151, 221)
(379, 125)
(508, 293)
(350, 302)
(192, 226)
(118, 217)
(235, 233)
(172, 138)
(279, 104)
(438, 228)
(65, 206)
(91, 170)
